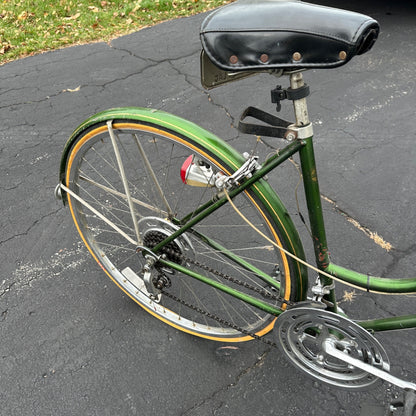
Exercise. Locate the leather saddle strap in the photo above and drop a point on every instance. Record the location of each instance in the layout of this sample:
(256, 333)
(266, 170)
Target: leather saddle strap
(276, 127)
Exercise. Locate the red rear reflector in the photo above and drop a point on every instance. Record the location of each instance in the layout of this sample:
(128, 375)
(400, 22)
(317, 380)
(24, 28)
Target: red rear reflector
(185, 168)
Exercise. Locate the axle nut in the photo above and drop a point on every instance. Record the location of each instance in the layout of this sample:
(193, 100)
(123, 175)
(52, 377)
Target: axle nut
(290, 135)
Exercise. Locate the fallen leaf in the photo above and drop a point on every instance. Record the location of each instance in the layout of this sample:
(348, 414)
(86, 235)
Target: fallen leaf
(73, 90)
(22, 16)
(73, 17)
(349, 296)
(4, 48)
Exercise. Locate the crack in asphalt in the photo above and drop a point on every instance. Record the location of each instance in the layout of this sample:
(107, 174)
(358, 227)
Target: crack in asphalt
(237, 379)
(31, 102)
(205, 92)
(152, 63)
(222, 107)
(171, 61)
(37, 221)
(373, 235)
(397, 256)
(11, 188)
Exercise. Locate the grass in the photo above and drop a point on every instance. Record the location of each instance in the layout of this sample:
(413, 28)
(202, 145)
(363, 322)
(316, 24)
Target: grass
(28, 27)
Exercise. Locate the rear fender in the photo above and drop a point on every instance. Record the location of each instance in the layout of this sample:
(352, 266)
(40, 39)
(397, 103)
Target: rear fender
(211, 144)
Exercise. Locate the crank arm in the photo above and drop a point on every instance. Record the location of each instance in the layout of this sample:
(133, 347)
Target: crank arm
(329, 346)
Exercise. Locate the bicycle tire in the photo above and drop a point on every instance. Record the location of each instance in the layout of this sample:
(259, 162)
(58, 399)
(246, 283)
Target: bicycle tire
(91, 172)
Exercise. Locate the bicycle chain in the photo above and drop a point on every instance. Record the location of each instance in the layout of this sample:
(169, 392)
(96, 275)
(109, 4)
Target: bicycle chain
(231, 279)
(262, 292)
(218, 319)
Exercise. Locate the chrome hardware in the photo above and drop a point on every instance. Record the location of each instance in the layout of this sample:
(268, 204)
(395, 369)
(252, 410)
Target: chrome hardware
(58, 192)
(138, 283)
(309, 336)
(148, 277)
(331, 347)
(245, 171)
(196, 172)
(295, 132)
(319, 290)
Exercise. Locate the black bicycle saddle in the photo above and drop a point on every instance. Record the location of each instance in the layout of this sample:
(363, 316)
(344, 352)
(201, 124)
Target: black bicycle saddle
(284, 34)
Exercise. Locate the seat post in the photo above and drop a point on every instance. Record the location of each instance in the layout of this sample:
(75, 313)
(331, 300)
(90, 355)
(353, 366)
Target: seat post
(300, 106)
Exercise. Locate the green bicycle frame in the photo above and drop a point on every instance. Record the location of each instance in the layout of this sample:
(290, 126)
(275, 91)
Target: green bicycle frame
(362, 281)
(305, 149)
(303, 145)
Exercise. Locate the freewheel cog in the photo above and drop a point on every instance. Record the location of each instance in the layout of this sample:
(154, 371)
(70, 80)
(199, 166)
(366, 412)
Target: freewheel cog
(154, 230)
(171, 250)
(302, 333)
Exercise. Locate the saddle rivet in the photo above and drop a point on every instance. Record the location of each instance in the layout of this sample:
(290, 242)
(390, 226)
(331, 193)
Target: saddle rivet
(233, 59)
(297, 56)
(342, 55)
(264, 58)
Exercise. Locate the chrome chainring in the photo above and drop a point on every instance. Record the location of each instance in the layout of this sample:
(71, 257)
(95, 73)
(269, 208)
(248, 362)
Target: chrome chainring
(303, 333)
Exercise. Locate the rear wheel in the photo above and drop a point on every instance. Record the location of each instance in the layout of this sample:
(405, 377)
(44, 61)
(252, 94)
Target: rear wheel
(126, 176)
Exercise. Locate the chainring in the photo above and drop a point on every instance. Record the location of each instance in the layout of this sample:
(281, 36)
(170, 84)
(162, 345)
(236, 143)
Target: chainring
(301, 333)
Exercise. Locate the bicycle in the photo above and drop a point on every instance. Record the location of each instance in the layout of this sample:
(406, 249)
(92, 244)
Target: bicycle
(192, 231)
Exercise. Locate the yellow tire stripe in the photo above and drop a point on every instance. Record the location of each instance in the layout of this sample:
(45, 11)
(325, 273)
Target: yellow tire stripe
(134, 126)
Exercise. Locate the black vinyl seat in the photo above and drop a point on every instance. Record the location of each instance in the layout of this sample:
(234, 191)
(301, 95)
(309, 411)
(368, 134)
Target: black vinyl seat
(260, 35)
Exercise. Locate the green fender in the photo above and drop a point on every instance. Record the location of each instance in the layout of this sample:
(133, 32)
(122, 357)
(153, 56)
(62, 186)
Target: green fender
(214, 145)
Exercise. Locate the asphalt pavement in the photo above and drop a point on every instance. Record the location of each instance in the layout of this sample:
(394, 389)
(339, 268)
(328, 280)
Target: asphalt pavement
(71, 343)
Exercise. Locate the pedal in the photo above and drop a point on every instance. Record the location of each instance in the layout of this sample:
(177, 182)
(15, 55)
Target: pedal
(139, 283)
(408, 403)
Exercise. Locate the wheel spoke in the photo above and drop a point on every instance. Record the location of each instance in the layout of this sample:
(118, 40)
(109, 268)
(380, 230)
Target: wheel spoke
(125, 190)
(123, 196)
(124, 179)
(152, 175)
(98, 214)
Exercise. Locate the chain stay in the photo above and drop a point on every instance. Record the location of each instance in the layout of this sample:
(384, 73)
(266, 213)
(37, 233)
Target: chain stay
(231, 279)
(224, 276)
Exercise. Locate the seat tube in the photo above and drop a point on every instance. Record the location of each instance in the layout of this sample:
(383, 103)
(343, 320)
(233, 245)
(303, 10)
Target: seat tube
(311, 186)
